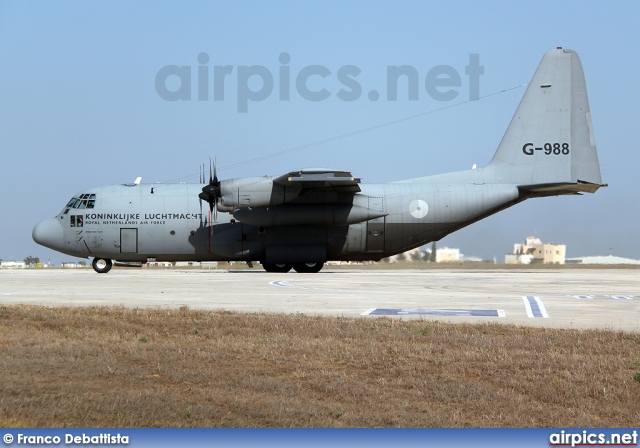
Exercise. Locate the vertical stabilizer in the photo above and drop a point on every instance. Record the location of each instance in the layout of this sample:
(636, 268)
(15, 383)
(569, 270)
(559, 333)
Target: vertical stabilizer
(549, 147)
(550, 138)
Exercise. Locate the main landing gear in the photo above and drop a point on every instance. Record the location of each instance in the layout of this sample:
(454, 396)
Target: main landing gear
(101, 265)
(303, 268)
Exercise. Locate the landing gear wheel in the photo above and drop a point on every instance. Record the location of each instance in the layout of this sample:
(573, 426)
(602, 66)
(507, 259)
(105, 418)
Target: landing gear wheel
(101, 265)
(277, 267)
(307, 268)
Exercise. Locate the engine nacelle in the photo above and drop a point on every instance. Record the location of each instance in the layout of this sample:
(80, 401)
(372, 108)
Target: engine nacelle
(249, 192)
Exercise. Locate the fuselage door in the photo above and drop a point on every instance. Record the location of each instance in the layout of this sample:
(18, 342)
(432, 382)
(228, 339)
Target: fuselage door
(128, 241)
(375, 227)
(375, 235)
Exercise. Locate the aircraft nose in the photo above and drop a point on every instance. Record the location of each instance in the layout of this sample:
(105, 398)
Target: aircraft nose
(48, 233)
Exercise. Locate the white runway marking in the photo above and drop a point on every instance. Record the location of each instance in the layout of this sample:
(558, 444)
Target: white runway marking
(535, 307)
(432, 312)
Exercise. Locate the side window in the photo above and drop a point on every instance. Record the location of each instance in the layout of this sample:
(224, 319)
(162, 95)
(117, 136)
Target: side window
(76, 221)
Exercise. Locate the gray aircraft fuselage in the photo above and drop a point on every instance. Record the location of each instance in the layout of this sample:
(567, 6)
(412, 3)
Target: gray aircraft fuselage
(305, 218)
(132, 223)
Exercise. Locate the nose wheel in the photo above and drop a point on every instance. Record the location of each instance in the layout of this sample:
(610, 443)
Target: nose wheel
(101, 265)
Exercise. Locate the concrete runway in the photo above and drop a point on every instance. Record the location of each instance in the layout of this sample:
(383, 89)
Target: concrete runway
(568, 298)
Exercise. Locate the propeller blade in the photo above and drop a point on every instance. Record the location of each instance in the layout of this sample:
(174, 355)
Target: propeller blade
(215, 181)
(211, 191)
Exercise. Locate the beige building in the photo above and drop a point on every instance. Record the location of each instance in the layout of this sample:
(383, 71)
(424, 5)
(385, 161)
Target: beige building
(410, 255)
(447, 255)
(534, 251)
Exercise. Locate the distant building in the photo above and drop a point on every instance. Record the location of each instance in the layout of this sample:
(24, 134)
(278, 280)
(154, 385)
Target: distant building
(159, 264)
(12, 264)
(447, 255)
(443, 255)
(471, 259)
(609, 259)
(413, 254)
(69, 265)
(209, 265)
(534, 251)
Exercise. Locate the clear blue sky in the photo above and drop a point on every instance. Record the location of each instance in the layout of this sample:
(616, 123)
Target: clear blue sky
(79, 106)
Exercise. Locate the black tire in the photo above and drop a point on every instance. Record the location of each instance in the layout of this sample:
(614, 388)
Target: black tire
(101, 265)
(308, 268)
(277, 267)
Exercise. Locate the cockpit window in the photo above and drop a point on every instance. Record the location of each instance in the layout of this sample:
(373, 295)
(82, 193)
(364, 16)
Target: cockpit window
(85, 200)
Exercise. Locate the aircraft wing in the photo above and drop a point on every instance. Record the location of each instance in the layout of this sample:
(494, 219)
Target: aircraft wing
(320, 179)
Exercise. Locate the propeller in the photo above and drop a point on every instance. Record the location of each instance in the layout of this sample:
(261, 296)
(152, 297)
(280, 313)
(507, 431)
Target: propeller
(211, 191)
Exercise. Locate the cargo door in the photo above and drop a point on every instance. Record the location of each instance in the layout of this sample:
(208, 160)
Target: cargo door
(375, 235)
(128, 241)
(375, 227)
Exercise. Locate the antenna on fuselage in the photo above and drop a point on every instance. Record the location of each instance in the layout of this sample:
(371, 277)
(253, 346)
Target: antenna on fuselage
(137, 181)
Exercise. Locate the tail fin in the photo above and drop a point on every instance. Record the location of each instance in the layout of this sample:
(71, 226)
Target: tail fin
(549, 147)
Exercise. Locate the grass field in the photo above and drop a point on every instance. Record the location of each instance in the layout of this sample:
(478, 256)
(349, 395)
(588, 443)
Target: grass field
(117, 367)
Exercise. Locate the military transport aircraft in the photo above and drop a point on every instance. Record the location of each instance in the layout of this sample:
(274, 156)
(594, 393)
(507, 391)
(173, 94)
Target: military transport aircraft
(304, 218)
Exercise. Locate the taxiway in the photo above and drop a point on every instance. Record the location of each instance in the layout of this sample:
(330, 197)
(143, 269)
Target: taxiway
(569, 298)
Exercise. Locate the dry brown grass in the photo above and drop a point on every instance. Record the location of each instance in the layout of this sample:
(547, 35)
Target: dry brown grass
(115, 367)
